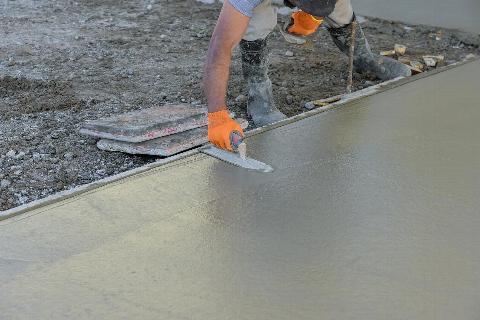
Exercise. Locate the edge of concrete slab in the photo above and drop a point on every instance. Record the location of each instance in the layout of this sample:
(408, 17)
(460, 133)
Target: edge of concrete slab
(360, 94)
(74, 192)
(346, 100)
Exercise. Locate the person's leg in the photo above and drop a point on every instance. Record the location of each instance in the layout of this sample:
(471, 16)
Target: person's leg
(342, 14)
(340, 23)
(262, 22)
(254, 51)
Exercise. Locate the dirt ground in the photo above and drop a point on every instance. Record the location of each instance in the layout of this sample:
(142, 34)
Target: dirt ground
(64, 62)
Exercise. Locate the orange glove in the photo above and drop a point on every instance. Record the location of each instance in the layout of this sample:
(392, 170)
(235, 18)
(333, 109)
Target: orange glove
(303, 24)
(220, 127)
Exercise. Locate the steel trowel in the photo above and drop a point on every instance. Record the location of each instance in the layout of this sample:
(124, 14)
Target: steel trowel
(239, 155)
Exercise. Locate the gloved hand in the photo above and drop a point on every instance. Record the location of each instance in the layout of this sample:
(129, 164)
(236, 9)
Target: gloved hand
(304, 24)
(220, 127)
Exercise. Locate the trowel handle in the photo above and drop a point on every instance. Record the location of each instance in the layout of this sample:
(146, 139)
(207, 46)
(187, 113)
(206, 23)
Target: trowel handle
(236, 139)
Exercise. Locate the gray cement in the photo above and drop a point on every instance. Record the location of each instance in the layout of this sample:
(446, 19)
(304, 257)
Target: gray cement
(456, 14)
(371, 213)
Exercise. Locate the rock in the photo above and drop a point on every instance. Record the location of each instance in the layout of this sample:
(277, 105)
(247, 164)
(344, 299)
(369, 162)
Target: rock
(309, 105)
(470, 56)
(36, 156)
(20, 155)
(414, 70)
(283, 90)
(68, 156)
(241, 98)
(429, 62)
(289, 53)
(11, 154)
(400, 49)
(5, 183)
(404, 60)
(55, 135)
(289, 99)
(15, 168)
(417, 64)
(387, 53)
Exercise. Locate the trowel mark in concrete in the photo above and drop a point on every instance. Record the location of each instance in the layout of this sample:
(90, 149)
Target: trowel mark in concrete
(147, 124)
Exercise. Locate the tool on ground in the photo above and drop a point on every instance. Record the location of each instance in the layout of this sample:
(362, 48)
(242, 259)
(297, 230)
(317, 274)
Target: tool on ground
(350, 58)
(322, 102)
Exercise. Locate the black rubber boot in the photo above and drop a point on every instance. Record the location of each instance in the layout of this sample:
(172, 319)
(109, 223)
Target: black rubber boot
(365, 61)
(261, 107)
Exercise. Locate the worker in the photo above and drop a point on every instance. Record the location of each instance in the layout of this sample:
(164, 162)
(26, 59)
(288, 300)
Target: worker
(249, 22)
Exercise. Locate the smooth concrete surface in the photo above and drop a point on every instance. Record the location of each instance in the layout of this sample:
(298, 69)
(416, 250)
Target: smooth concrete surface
(372, 213)
(455, 14)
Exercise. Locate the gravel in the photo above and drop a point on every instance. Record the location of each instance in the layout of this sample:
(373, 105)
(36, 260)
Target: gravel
(92, 59)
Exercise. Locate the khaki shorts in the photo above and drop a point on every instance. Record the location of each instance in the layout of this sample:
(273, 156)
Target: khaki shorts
(264, 18)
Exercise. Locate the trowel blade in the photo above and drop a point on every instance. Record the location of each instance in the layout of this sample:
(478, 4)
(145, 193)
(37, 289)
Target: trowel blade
(237, 160)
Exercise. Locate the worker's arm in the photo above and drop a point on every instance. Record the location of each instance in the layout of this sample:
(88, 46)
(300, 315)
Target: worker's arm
(228, 32)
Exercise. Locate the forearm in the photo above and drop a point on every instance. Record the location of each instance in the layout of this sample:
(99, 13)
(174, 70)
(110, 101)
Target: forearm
(216, 74)
(231, 26)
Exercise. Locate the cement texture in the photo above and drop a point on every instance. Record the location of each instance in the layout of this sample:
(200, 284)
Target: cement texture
(371, 213)
(458, 14)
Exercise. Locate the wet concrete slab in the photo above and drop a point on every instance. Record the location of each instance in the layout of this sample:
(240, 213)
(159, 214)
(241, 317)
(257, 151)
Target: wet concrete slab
(371, 213)
(147, 124)
(459, 14)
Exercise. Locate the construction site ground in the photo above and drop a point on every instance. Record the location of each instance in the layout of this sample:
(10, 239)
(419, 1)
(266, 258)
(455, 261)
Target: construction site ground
(65, 62)
(371, 213)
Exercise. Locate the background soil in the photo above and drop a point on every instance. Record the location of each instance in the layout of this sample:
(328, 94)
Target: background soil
(64, 62)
